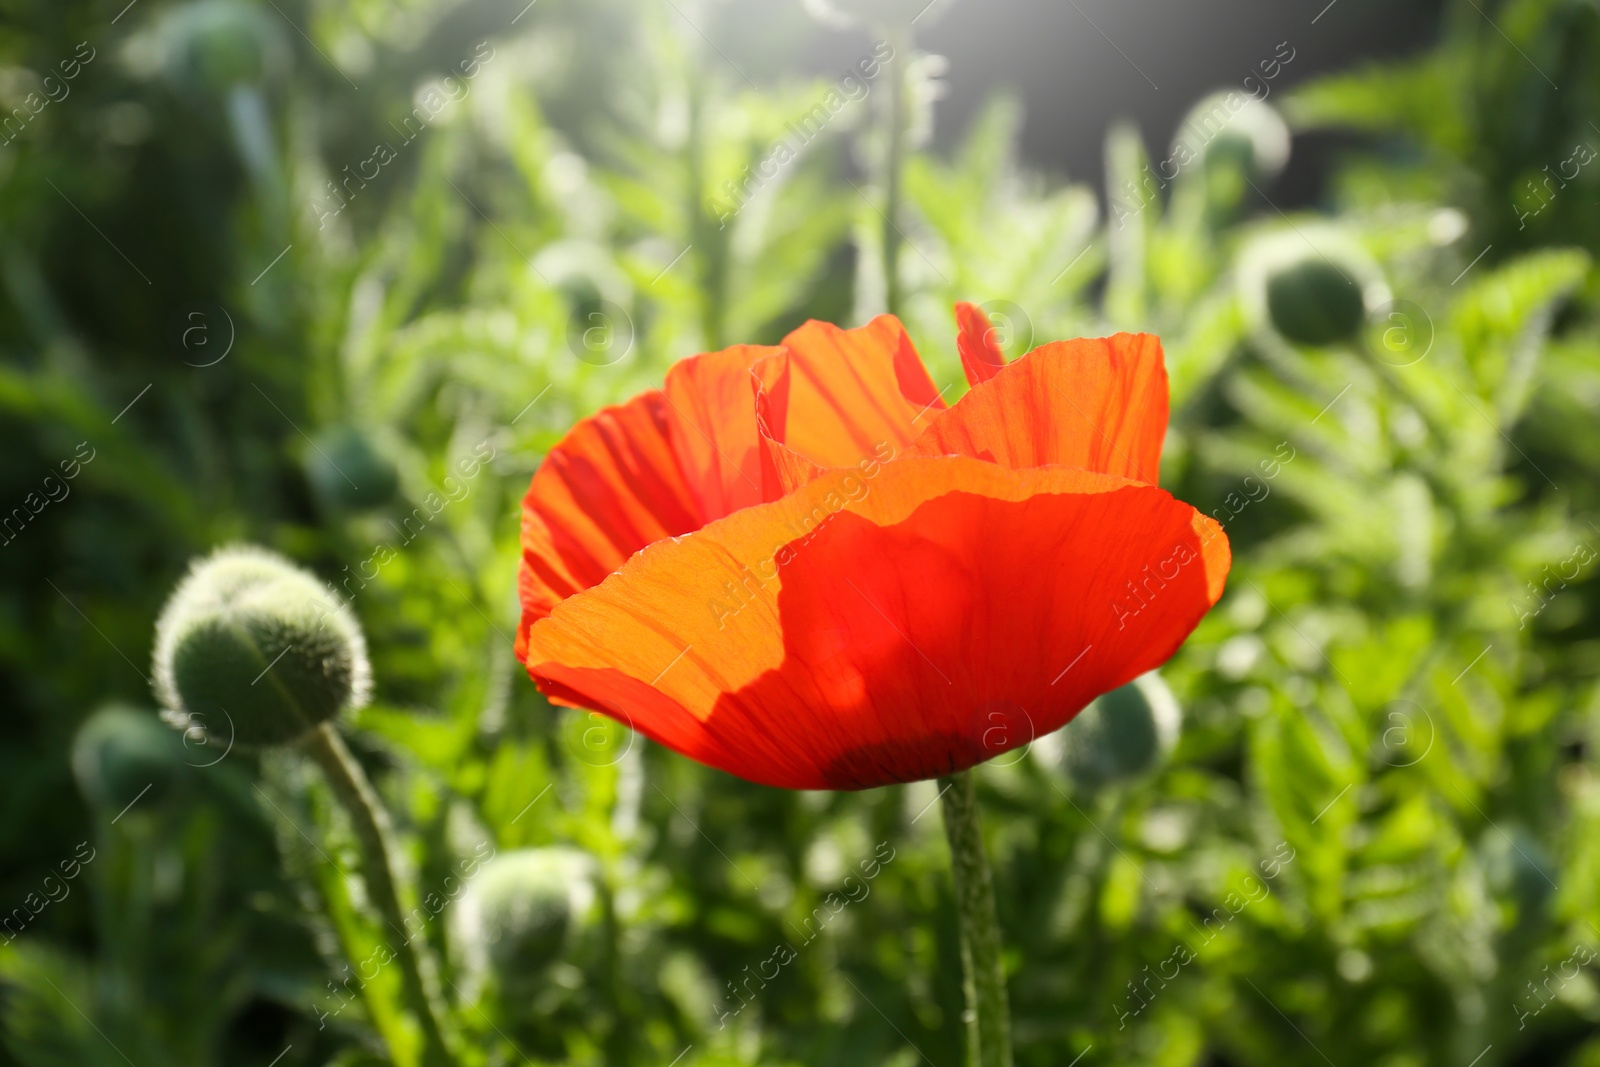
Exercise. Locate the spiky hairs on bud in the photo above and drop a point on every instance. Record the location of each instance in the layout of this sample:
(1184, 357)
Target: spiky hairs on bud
(252, 649)
(121, 755)
(1125, 734)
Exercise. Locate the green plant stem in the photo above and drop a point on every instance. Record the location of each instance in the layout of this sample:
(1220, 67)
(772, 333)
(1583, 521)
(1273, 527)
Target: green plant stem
(894, 163)
(373, 833)
(707, 235)
(988, 1014)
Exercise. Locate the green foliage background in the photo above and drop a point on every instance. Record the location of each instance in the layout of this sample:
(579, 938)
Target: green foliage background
(1383, 723)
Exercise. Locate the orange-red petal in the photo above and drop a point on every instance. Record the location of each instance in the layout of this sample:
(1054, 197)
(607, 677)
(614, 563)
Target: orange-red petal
(783, 470)
(838, 396)
(665, 463)
(981, 357)
(608, 489)
(868, 630)
(713, 427)
(1100, 405)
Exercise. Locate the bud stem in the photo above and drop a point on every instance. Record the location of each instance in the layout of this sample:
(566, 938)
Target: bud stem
(896, 108)
(373, 833)
(988, 1014)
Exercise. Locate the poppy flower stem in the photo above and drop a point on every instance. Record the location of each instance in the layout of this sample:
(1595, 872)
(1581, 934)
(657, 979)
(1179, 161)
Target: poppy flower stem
(371, 824)
(988, 1014)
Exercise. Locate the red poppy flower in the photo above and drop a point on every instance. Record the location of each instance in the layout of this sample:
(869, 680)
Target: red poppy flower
(798, 564)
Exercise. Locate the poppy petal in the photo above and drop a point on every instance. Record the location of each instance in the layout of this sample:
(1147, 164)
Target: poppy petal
(608, 489)
(784, 470)
(713, 422)
(839, 396)
(864, 631)
(1096, 404)
(981, 357)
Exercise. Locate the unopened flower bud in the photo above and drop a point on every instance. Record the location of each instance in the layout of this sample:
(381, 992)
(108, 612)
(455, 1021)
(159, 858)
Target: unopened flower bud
(1243, 132)
(1124, 734)
(122, 755)
(1312, 290)
(1314, 302)
(218, 44)
(253, 648)
(347, 472)
(1226, 145)
(523, 910)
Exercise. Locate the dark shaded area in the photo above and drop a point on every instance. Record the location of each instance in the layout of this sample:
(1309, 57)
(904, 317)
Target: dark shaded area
(1080, 65)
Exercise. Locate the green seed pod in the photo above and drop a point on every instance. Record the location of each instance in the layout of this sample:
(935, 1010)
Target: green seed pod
(346, 472)
(215, 45)
(1311, 290)
(255, 651)
(1123, 735)
(122, 755)
(524, 910)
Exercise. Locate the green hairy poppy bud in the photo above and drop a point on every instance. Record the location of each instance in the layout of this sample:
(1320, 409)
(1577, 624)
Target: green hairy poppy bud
(346, 472)
(253, 650)
(1123, 735)
(122, 755)
(218, 44)
(524, 910)
(1229, 142)
(1314, 302)
(1229, 129)
(1312, 290)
